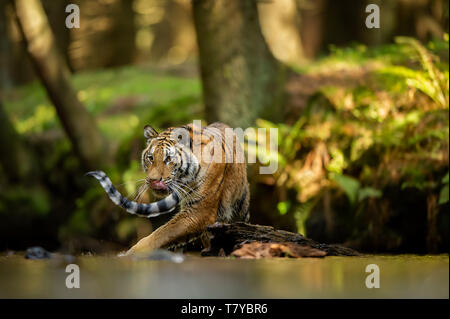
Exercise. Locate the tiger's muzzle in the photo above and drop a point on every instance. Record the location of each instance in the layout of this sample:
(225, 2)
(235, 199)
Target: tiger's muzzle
(156, 184)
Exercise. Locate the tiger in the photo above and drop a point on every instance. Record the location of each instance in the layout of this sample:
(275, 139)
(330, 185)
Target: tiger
(198, 170)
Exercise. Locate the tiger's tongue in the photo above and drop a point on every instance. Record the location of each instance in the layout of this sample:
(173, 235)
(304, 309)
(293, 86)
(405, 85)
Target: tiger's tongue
(158, 185)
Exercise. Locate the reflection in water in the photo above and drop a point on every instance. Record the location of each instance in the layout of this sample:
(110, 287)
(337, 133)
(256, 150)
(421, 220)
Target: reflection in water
(404, 276)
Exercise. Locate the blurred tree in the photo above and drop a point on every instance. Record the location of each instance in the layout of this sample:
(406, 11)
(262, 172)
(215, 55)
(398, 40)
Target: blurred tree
(5, 80)
(55, 11)
(325, 22)
(15, 66)
(80, 127)
(164, 31)
(424, 19)
(280, 25)
(171, 29)
(16, 161)
(241, 79)
(343, 22)
(106, 37)
(312, 25)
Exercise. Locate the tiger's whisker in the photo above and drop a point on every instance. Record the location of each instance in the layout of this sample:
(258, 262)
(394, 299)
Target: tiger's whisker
(132, 182)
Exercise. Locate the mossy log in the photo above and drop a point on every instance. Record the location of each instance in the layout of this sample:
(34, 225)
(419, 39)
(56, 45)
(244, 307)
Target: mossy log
(226, 239)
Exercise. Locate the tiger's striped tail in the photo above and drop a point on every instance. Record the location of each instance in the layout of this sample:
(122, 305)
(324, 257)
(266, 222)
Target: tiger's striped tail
(164, 206)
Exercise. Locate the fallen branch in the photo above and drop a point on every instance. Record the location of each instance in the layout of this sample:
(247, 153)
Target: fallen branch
(233, 239)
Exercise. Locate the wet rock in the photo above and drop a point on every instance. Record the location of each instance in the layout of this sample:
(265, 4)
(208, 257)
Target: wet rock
(37, 253)
(10, 253)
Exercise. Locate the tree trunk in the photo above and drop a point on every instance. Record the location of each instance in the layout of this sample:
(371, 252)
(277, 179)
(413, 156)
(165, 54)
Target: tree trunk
(16, 162)
(242, 81)
(80, 127)
(312, 16)
(5, 80)
(56, 16)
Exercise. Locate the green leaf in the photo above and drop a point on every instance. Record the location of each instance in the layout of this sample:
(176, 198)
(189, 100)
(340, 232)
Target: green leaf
(444, 196)
(445, 179)
(283, 207)
(368, 192)
(349, 185)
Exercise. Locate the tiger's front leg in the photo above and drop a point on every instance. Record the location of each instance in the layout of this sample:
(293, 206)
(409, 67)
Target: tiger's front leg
(190, 220)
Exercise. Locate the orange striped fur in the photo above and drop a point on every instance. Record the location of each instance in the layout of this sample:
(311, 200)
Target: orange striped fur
(210, 190)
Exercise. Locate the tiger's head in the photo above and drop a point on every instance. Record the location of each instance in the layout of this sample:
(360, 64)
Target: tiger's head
(168, 160)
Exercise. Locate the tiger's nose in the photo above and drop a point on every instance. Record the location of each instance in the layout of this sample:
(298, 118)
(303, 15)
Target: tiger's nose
(153, 180)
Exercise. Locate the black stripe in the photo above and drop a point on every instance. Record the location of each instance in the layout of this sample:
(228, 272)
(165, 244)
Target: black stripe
(198, 171)
(125, 203)
(110, 191)
(189, 136)
(196, 201)
(186, 171)
(237, 206)
(140, 210)
(162, 206)
(144, 157)
(220, 211)
(223, 177)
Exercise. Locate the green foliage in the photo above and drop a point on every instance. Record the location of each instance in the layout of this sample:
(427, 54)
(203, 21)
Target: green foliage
(368, 192)
(384, 134)
(430, 80)
(359, 142)
(349, 185)
(301, 214)
(121, 99)
(283, 207)
(25, 201)
(444, 194)
(353, 189)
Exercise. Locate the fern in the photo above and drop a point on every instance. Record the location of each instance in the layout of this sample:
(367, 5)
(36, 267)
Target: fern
(436, 84)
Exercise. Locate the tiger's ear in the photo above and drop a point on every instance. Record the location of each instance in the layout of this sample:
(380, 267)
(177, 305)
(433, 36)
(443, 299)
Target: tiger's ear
(149, 132)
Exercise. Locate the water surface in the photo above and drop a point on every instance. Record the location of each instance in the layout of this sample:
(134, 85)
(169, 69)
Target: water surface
(402, 276)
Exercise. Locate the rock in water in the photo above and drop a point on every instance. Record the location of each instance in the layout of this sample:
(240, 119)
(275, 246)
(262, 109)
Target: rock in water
(37, 253)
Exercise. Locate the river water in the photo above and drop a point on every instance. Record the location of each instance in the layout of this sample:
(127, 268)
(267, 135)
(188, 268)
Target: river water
(401, 276)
